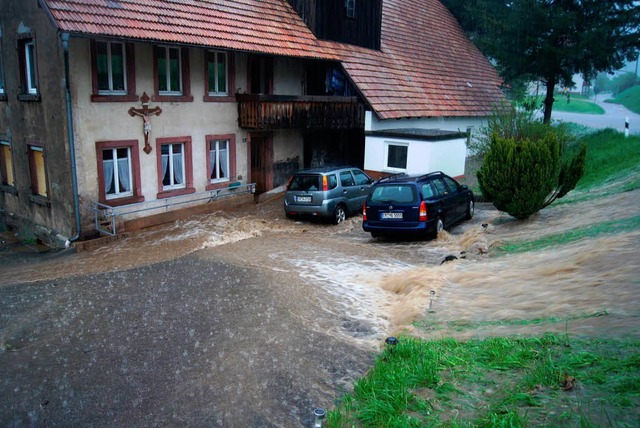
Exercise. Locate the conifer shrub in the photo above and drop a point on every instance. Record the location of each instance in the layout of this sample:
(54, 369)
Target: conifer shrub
(524, 173)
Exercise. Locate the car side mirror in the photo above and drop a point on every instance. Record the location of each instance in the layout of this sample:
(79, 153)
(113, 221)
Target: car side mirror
(464, 187)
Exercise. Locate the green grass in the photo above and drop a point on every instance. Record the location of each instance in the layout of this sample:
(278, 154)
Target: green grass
(592, 231)
(576, 104)
(515, 382)
(629, 98)
(459, 326)
(609, 156)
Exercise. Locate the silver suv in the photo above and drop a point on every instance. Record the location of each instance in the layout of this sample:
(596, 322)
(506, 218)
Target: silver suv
(328, 193)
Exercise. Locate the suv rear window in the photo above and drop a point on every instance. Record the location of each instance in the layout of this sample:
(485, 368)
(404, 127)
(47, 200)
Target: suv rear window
(312, 182)
(305, 183)
(396, 194)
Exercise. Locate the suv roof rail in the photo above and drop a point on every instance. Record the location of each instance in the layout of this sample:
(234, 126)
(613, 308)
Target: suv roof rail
(391, 177)
(430, 174)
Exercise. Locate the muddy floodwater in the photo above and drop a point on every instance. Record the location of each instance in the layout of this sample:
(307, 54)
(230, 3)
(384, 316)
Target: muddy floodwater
(250, 319)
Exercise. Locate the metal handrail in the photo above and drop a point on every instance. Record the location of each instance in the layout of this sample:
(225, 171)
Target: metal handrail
(105, 216)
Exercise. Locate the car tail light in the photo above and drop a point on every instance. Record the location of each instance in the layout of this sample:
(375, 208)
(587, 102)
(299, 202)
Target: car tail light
(423, 211)
(289, 182)
(325, 183)
(364, 212)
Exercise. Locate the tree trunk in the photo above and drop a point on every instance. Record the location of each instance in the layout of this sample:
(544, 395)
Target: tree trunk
(548, 101)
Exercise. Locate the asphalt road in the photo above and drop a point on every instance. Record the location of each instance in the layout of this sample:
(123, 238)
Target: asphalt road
(614, 117)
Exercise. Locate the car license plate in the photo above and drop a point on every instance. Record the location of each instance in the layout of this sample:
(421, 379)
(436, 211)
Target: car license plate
(303, 198)
(391, 216)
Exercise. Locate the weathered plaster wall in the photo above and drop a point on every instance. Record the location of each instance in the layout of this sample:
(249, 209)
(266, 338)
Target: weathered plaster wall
(106, 121)
(42, 118)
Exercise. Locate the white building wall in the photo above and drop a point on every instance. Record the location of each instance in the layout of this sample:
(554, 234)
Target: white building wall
(422, 157)
(448, 156)
(458, 124)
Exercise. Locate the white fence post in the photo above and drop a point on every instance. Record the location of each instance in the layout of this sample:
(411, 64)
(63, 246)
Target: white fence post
(626, 126)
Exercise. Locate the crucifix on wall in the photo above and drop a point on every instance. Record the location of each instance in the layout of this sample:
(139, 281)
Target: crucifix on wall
(146, 114)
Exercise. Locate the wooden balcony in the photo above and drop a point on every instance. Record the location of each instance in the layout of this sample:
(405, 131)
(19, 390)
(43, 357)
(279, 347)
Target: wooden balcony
(268, 112)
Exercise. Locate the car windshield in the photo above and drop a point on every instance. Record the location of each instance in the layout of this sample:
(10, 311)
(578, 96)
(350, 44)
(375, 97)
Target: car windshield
(305, 183)
(396, 194)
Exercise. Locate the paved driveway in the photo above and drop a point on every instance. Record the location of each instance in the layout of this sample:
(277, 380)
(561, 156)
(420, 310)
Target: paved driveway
(220, 320)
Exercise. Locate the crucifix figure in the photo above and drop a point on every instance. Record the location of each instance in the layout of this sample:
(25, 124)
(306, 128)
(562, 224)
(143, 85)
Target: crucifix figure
(146, 114)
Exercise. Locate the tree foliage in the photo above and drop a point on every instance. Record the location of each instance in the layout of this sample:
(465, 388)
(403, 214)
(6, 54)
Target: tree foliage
(551, 40)
(526, 168)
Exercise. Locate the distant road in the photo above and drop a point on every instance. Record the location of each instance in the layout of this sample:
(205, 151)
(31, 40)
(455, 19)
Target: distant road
(614, 117)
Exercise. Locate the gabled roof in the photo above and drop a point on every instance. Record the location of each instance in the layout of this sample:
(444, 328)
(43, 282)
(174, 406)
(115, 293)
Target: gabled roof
(426, 67)
(262, 26)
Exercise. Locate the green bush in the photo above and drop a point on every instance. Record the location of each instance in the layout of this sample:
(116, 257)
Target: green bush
(524, 173)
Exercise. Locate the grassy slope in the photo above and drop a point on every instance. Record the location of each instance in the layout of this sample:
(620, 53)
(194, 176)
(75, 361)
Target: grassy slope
(445, 382)
(576, 104)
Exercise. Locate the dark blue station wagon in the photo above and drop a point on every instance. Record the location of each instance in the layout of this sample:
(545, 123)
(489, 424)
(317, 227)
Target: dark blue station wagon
(418, 206)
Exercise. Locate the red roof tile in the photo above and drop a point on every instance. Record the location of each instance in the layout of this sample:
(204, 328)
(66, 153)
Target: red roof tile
(426, 66)
(262, 26)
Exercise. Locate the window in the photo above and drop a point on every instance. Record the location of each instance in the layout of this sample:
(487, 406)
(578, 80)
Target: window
(350, 7)
(172, 74)
(453, 186)
(427, 191)
(396, 156)
(3, 95)
(175, 172)
(37, 170)
(118, 172)
(217, 73)
(219, 160)
(346, 179)
(361, 178)
(110, 65)
(6, 165)
(113, 72)
(28, 69)
(441, 188)
(221, 157)
(219, 77)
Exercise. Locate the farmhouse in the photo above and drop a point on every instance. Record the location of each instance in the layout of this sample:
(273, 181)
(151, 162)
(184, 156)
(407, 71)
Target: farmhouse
(118, 114)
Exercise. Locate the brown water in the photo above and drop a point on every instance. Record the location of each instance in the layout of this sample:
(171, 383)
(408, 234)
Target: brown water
(589, 286)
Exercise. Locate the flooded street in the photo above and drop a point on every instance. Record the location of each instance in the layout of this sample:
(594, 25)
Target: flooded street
(250, 319)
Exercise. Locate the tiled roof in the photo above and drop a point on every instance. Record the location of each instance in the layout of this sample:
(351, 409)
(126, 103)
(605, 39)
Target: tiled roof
(427, 67)
(262, 26)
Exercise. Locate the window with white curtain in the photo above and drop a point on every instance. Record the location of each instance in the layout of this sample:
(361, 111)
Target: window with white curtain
(116, 163)
(173, 166)
(219, 160)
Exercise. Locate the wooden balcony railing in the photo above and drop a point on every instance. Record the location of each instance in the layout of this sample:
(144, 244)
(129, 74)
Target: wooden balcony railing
(267, 112)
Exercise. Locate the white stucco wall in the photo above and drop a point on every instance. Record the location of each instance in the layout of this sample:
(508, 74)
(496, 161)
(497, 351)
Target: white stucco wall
(448, 156)
(422, 156)
(459, 124)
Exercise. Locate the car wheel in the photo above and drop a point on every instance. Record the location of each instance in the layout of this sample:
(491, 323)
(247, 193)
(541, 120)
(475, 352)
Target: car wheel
(439, 226)
(339, 214)
(375, 234)
(470, 209)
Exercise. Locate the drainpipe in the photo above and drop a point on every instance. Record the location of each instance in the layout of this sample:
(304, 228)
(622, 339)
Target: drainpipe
(72, 146)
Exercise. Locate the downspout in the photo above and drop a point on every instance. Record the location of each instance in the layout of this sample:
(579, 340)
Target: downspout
(72, 146)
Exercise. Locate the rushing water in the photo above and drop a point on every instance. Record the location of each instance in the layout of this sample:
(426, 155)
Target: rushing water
(388, 284)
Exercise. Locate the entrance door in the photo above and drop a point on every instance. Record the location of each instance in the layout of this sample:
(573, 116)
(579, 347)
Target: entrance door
(261, 162)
